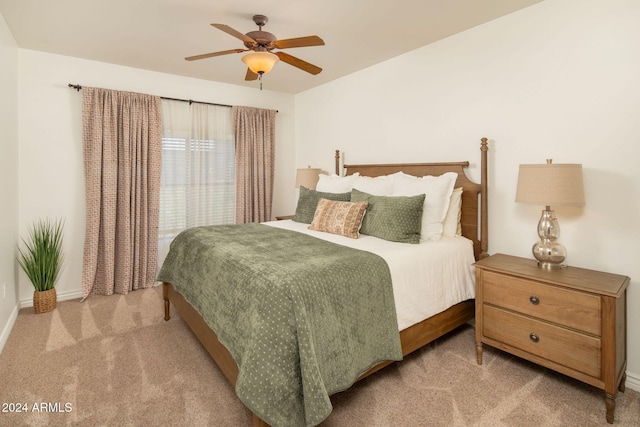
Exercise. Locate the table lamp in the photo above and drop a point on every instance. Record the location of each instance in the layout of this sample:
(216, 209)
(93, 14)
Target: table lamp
(307, 177)
(549, 185)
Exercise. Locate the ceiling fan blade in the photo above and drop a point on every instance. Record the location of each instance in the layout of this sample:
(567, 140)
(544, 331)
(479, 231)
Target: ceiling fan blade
(299, 42)
(299, 63)
(212, 54)
(235, 33)
(250, 75)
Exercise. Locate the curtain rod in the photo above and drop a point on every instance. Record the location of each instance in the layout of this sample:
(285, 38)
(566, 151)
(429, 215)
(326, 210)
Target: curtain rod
(190, 101)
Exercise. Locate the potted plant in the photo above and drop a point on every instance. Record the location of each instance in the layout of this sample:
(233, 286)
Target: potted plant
(42, 261)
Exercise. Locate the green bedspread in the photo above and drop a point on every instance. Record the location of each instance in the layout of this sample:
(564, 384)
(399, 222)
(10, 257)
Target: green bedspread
(302, 317)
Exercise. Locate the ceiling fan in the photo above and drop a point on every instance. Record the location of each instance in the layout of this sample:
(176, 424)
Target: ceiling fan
(261, 60)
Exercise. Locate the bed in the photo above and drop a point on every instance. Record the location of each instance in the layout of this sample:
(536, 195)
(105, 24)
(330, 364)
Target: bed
(409, 333)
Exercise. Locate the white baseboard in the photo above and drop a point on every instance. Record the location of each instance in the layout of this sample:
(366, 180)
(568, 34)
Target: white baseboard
(633, 381)
(59, 296)
(8, 327)
(4, 335)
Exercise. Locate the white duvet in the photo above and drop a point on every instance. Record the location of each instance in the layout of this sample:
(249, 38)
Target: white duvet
(427, 278)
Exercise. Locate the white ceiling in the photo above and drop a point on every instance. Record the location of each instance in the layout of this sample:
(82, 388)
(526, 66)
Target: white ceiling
(158, 34)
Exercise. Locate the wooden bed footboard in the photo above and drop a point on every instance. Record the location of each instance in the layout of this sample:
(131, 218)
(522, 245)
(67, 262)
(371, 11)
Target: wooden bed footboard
(421, 334)
(201, 330)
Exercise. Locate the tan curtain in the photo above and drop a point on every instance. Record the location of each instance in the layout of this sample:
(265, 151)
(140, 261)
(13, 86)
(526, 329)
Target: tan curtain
(122, 139)
(255, 132)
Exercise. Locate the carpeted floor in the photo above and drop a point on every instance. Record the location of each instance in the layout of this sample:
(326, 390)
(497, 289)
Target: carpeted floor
(114, 361)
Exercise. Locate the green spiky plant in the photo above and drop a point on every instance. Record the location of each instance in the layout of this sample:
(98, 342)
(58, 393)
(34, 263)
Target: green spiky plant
(43, 258)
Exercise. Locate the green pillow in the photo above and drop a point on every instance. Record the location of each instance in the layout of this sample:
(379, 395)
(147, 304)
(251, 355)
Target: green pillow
(394, 218)
(308, 201)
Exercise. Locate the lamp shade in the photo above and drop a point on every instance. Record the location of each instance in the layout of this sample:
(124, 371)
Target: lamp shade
(551, 184)
(260, 62)
(307, 177)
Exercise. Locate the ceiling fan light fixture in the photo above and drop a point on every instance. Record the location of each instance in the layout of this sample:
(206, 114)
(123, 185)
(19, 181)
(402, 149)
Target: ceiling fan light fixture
(260, 62)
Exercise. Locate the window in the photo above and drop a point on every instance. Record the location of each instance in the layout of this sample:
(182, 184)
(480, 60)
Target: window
(197, 184)
(198, 177)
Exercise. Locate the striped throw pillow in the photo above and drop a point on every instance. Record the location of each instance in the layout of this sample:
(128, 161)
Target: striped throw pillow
(337, 217)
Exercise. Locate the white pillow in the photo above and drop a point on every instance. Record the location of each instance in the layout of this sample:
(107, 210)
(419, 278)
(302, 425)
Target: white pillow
(438, 191)
(451, 226)
(335, 183)
(377, 186)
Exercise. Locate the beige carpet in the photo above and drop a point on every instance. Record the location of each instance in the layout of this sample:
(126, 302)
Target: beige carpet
(114, 361)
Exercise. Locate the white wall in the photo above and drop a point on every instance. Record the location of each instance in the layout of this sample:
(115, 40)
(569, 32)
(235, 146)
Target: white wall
(8, 180)
(51, 171)
(557, 80)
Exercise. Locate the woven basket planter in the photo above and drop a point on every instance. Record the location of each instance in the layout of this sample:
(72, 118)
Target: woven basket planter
(44, 301)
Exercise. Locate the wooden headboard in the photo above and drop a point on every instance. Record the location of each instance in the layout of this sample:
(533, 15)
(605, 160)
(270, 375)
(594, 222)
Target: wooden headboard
(474, 219)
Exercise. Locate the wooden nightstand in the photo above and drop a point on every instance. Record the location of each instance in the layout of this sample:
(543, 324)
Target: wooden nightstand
(572, 320)
(283, 217)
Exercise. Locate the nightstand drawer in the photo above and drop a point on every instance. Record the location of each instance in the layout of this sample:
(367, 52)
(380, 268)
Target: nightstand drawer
(577, 310)
(563, 346)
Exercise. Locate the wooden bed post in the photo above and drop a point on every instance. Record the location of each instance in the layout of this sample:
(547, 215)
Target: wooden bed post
(338, 171)
(484, 201)
(165, 296)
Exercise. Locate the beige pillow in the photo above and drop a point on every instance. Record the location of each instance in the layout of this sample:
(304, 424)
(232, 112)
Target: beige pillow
(452, 220)
(336, 217)
(376, 186)
(335, 183)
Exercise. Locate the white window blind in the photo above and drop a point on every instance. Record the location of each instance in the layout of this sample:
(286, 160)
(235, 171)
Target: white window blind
(197, 185)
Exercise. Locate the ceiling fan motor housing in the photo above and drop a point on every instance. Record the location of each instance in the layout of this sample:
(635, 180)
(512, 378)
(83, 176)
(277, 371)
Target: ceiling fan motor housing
(263, 39)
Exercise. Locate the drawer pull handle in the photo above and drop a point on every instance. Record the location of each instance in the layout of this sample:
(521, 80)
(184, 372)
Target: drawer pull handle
(533, 337)
(534, 300)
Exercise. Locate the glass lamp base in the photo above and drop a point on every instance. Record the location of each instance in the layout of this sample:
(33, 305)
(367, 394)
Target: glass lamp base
(550, 255)
(548, 251)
